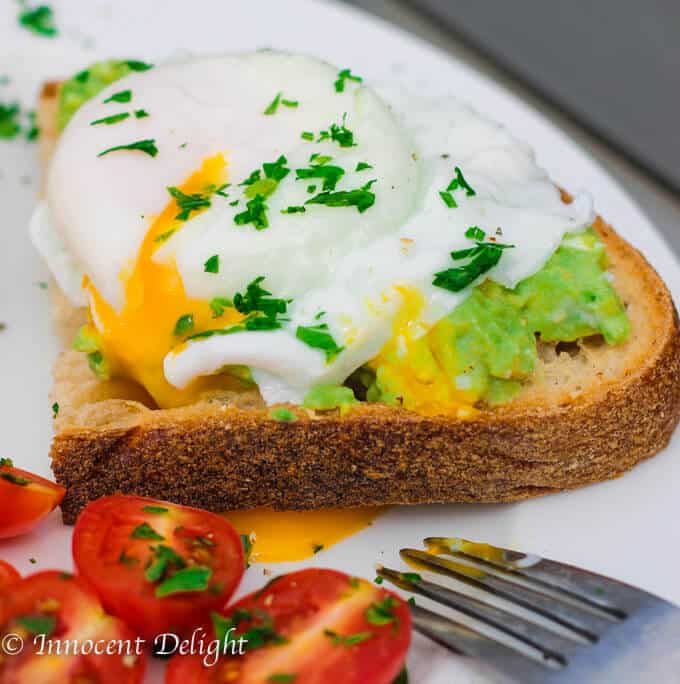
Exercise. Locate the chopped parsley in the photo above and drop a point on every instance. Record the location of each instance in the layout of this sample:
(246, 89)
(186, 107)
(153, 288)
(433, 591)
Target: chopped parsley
(278, 100)
(141, 113)
(188, 203)
(362, 166)
(212, 265)
(479, 259)
(136, 65)
(146, 146)
(338, 133)
(343, 76)
(257, 299)
(6, 463)
(255, 213)
(145, 531)
(327, 172)
(38, 624)
(194, 578)
(164, 557)
(33, 132)
(9, 124)
(155, 509)
(307, 135)
(361, 198)
(412, 602)
(457, 183)
(55, 409)
(14, 479)
(184, 325)
(113, 119)
(378, 580)
(317, 547)
(39, 20)
(319, 337)
(219, 304)
(282, 677)
(247, 548)
(162, 237)
(412, 577)
(121, 96)
(349, 639)
(294, 209)
(382, 612)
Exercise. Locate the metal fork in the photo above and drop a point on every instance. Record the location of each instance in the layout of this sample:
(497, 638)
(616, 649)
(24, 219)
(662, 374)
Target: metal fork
(539, 621)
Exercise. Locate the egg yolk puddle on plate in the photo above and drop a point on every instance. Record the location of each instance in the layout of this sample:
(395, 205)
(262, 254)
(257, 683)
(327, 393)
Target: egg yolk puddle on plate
(279, 536)
(135, 341)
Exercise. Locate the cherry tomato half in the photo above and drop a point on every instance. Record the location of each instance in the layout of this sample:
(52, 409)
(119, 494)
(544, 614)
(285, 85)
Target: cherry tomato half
(308, 627)
(8, 575)
(158, 566)
(25, 499)
(65, 633)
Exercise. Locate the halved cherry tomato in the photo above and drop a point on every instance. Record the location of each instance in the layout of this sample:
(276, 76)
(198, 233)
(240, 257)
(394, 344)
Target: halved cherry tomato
(158, 566)
(25, 499)
(308, 627)
(57, 612)
(8, 575)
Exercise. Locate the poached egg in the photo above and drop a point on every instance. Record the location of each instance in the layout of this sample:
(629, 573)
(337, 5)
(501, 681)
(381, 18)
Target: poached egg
(285, 174)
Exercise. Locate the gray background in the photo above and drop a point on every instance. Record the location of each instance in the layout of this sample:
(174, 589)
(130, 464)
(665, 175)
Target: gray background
(660, 203)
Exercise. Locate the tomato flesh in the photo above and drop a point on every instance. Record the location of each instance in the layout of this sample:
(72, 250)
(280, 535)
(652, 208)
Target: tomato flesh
(58, 608)
(158, 566)
(308, 627)
(25, 499)
(8, 575)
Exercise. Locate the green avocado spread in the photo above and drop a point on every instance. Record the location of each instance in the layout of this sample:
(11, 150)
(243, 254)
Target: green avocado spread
(486, 347)
(78, 89)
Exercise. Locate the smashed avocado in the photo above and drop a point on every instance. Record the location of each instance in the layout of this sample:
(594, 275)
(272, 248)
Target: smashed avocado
(486, 347)
(77, 90)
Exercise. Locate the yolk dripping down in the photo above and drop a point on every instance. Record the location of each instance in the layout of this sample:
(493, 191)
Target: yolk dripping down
(135, 340)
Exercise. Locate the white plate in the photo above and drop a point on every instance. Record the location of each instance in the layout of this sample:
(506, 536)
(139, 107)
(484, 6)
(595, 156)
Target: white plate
(626, 528)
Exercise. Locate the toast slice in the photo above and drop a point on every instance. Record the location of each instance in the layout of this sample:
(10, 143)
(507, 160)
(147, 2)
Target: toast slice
(592, 412)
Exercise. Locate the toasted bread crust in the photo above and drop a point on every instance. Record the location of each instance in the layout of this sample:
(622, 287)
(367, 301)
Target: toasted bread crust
(220, 456)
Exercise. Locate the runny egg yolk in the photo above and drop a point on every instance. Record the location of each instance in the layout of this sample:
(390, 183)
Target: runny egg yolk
(278, 536)
(135, 340)
(409, 369)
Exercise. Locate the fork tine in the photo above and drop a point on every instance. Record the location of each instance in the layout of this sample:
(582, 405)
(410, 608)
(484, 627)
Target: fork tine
(583, 624)
(602, 594)
(469, 642)
(551, 646)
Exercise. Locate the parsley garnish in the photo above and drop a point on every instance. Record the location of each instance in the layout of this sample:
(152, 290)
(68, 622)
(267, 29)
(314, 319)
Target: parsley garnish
(136, 65)
(282, 677)
(349, 639)
(212, 265)
(339, 134)
(345, 75)
(121, 96)
(255, 213)
(15, 479)
(283, 415)
(382, 612)
(38, 624)
(317, 547)
(6, 463)
(39, 20)
(9, 126)
(219, 304)
(247, 548)
(329, 173)
(257, 299)
(141, 113)
(145, 531)
(184, 324)
(255, 636)
(378, 580)
(458, 183)
(362, 198)
(319, 337)
(412, 602)
(146, 146)
(33, 132)
(55, 409)
(162, 237)
(164, 557)
(274, 104)
(108, 120)
(188, 203)
(155, 509)
(194, 578)
(294, 209)
(362, 166)
(481, 259)
(412, 577)
(307, 135)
